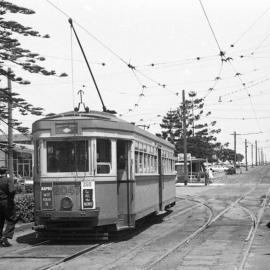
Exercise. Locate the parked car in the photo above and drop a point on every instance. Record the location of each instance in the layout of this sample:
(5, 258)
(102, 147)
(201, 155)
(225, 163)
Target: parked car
(230, 170)
(219, 168)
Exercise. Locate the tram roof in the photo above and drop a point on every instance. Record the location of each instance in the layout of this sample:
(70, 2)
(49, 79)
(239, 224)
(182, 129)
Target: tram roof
(116, 123)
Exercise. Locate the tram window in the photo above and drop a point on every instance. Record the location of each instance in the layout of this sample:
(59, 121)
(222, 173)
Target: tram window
(103, 156)
(140, 162)
(67, 156)
(136, 162)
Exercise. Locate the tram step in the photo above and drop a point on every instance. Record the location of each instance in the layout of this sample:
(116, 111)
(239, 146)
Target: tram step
(123, 227)
(159, 213)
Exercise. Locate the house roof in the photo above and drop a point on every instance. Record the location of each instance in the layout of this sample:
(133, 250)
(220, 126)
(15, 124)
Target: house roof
(16, 138)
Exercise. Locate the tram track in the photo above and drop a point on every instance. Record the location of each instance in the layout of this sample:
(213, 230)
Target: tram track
(71, 257)
(133, 252)
(158, 234)
(135, 249)
(198, 203)
(60, 259)
(253, 234)
(209, 223)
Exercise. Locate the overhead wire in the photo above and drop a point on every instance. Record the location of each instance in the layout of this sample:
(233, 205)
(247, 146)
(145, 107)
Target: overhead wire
(250, 98)
(250, 27)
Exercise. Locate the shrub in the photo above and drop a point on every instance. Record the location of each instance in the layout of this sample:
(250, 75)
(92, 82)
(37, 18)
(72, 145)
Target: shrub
(25, 207)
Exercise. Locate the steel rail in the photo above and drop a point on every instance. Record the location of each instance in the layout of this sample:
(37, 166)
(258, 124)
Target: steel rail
(71, 257)
(253, 219)
(260, 214)
(132, 251)
(202, 228)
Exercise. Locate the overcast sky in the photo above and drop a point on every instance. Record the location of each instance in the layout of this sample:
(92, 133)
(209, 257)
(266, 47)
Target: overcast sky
(172, 47)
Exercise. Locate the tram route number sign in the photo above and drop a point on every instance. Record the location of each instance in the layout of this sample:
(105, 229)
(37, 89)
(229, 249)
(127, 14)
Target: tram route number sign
(46, 197)
(88, 194)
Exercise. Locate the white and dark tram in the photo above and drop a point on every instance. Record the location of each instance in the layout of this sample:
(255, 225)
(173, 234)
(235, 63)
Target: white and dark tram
(93, 170)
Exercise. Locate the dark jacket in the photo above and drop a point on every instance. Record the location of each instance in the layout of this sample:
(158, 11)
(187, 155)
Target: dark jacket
(7, 190)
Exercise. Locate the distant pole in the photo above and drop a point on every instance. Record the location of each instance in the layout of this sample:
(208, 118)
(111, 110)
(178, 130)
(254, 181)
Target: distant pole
(262, 159)
(10, 129)
(252, 155)
(259, 157)
(185, 138)
(246, 154)
(256, 154)
(234, 140)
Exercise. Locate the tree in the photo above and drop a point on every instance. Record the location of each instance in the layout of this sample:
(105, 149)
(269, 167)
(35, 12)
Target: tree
(11, 52)
(201, 139)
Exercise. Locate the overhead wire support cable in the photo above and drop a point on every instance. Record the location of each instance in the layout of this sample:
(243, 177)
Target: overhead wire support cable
(90, 34)
(212, 30)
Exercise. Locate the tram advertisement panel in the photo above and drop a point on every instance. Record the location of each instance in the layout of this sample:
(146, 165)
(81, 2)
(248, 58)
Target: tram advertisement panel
(46, 196)
(88, 194)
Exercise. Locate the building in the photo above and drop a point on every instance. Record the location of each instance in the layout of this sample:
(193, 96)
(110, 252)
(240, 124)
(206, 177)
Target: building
(22, 154)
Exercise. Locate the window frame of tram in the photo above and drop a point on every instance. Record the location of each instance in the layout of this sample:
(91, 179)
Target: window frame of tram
(167, 162)
(71, 155)
(103, 156)
(146, 161)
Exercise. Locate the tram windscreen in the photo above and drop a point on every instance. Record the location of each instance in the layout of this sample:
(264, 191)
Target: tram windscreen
(67, 156)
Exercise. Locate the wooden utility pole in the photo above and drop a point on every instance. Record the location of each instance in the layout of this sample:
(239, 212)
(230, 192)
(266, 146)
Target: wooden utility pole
(10, 129)
(256, 154)
(235, 156)
(185, 138)
(246, 154)
(252, 155)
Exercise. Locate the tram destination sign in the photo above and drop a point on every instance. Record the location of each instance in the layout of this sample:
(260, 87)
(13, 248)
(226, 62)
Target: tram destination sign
(66, 128)
(47, 197)
(88, 194)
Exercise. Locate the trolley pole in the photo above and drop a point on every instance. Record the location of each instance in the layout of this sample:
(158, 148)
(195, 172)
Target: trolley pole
(256, 152)
(10, 130)
(185, 138)
(246, 154)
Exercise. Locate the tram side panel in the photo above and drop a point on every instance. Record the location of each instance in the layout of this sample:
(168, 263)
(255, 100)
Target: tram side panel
(106, 202)
(169, 191)
(146, 195)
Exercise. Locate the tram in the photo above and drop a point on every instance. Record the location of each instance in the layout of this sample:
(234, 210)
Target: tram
(95, 170)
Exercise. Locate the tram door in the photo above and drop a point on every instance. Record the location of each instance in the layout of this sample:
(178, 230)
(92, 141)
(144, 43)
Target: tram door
(124, 187)
(160, 181)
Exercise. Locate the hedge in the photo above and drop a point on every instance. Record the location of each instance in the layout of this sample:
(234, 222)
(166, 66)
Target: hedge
(24, 204)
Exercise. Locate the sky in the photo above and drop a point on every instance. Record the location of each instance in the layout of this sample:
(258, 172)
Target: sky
(173, 46)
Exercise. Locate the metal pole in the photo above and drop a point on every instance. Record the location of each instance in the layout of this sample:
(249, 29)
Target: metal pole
(10, 130)
(235, 156)
(185, 138)
(246, 154)
(90, 70)
(256, 154)
(252, 155)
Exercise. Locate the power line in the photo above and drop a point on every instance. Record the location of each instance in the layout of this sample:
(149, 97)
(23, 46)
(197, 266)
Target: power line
(250, 27)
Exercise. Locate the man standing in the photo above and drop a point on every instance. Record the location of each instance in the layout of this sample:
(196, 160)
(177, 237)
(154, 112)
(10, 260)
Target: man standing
(7, 208)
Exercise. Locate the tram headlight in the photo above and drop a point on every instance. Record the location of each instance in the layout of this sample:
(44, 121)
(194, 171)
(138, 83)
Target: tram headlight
(66, 204)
